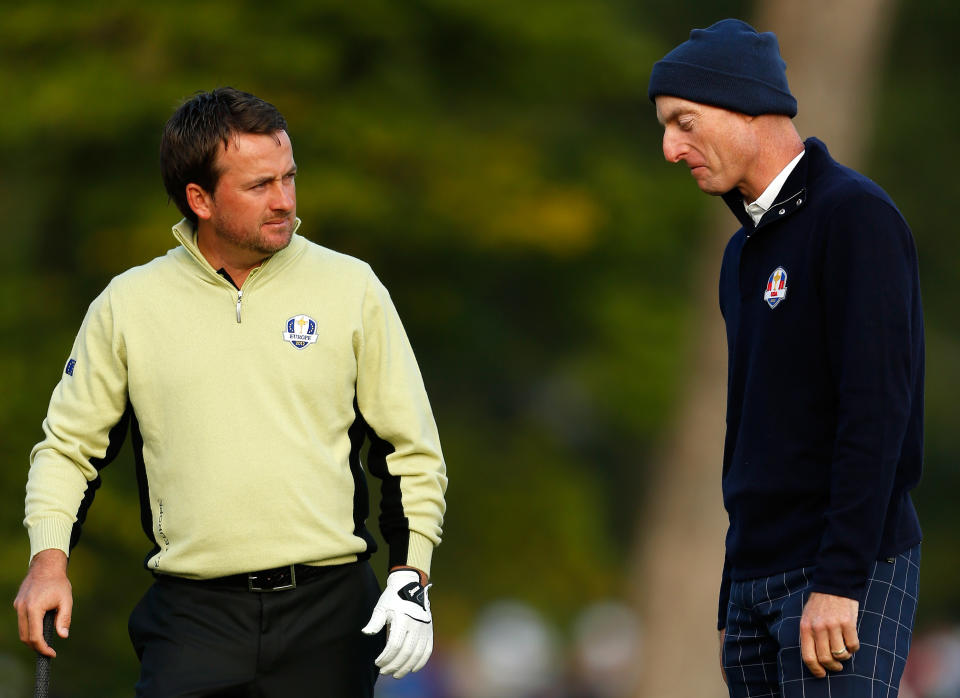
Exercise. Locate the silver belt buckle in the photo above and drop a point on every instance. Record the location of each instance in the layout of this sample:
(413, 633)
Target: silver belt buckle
(251, 583)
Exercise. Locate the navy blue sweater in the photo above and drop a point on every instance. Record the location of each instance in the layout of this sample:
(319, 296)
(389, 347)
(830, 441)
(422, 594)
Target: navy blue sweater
(825, 381)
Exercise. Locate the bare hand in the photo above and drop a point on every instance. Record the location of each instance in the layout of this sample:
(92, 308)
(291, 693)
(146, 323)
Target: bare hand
(45, 588)
(827, 626)
(723, 673)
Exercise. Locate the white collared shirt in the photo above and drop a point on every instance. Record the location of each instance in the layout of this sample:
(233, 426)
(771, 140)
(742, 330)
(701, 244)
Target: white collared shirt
(769, 195)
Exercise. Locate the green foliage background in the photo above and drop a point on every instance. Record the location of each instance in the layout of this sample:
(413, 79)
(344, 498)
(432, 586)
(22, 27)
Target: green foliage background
(498, 164)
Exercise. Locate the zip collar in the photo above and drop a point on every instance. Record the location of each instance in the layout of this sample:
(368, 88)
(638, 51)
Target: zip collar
(185, 233)
(783, 207)
(793, 195)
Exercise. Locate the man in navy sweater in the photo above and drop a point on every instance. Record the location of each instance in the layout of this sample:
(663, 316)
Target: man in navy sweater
(820, 293)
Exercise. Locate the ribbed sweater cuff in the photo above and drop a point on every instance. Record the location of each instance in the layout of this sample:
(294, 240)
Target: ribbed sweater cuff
(45, 534)
(419, 552)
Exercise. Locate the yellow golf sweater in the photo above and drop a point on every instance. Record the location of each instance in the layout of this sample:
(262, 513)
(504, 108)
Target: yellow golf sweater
(248, 410)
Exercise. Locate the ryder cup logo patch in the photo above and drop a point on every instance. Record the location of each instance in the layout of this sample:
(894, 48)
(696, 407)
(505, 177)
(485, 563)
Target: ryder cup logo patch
(301, 331)
(776, 287)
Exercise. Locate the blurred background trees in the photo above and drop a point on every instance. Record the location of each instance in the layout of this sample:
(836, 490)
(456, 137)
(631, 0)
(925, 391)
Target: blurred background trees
(499, 165)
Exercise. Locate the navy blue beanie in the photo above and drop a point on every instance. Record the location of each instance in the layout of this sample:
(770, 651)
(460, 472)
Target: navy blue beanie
(727, 65)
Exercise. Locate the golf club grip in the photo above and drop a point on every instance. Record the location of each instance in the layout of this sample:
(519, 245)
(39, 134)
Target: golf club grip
(42, 686)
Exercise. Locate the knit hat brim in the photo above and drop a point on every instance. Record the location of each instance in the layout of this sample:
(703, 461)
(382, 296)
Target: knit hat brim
(708, 86)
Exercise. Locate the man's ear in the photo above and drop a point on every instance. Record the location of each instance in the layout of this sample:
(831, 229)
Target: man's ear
(200, 201)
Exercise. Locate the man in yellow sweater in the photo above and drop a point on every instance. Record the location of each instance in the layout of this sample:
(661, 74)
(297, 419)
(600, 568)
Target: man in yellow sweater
(249, 365)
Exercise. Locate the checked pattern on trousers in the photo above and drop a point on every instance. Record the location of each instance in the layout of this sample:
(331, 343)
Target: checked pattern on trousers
(761, 652)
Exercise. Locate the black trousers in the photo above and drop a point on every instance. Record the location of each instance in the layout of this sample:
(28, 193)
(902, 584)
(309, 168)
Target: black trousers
(196, 640)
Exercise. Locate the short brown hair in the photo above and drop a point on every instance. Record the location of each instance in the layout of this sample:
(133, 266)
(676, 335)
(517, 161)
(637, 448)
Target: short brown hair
(192, 137)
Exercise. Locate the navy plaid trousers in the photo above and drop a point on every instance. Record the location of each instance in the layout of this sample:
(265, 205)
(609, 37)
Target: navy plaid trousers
(761, 649)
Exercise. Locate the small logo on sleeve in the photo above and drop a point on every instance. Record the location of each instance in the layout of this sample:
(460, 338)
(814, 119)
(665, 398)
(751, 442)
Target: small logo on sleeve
(776, 287)
(71, 364)
(301, 331)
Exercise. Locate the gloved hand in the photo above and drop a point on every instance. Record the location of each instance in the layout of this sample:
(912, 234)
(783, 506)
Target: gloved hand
(403, 606)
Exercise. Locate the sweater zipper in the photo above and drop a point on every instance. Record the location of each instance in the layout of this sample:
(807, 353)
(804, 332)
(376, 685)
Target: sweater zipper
(253, 273)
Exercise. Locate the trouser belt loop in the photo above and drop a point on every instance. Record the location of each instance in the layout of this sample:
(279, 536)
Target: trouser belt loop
(279, 579)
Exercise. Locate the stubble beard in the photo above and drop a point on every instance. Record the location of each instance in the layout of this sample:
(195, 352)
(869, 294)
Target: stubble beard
(257, 242)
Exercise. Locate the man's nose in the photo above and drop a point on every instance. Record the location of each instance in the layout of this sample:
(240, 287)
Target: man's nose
(284, 197)
(672, 149)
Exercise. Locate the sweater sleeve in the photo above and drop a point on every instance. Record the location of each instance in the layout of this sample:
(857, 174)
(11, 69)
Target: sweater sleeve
(724, 596)
(405, 450)
(871, 288)
(85, 425)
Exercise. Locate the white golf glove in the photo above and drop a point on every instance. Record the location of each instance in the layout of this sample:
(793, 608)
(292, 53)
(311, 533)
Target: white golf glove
(403, 606)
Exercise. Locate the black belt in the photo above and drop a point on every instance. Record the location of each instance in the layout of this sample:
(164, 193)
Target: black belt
(276, 579)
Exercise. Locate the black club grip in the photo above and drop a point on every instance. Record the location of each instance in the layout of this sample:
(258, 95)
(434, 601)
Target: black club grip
(42, 687)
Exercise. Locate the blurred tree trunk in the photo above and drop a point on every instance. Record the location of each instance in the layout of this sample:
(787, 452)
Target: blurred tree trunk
(833, 50)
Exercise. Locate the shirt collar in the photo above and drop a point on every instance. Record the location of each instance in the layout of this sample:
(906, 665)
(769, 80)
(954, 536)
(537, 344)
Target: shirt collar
(769, 195)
